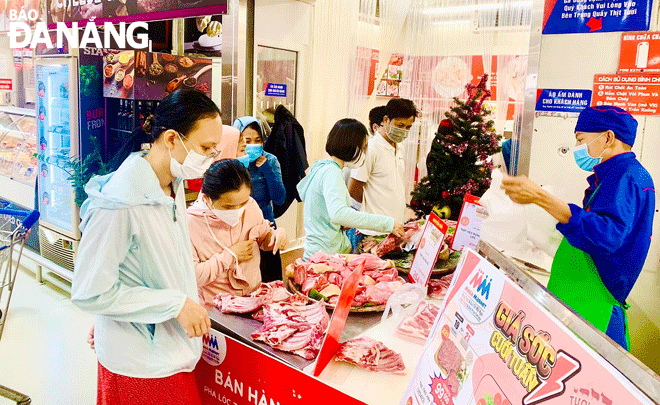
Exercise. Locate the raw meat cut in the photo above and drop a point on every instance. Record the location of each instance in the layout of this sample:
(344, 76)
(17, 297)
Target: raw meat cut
(381, 292)
(324, 271)
(391, 242)
(232, 304)
(437, 288)
(266, 293)
(417, 327)
(449, 357)
(294, 328)
(371, 355)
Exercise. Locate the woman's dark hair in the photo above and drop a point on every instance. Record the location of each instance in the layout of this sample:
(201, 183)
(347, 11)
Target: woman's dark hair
(255, 126)
(346, 139)
(401, 108)
(224, 176)
(179, 111)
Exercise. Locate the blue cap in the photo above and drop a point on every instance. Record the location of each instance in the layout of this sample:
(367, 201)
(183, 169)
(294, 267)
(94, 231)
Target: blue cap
(243, 122)
(608, 118)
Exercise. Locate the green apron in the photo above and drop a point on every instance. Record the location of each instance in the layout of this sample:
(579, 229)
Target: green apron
(575, 280)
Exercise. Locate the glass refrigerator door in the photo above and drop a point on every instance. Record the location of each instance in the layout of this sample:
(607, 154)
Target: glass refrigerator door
(53, 129)
(25, 163)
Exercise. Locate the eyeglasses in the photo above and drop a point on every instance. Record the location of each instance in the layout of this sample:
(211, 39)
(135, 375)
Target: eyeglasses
(214, 152)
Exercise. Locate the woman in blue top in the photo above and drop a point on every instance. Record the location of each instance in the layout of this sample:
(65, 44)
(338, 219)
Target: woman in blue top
(328, 209)
(267, 185)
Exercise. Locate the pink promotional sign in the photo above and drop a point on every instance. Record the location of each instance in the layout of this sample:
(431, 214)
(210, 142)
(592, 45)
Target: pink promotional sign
(492, 344)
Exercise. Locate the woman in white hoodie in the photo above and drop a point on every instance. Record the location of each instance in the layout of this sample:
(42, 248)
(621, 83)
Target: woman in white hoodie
(133, 269)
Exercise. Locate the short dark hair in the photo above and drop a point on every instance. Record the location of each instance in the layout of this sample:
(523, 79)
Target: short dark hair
(346, 139)
(401, 108)
(376, 116)
(224, 176)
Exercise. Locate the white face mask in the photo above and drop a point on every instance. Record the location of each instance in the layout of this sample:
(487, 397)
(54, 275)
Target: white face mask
(193, 167)
(356, 163)
(229, 217)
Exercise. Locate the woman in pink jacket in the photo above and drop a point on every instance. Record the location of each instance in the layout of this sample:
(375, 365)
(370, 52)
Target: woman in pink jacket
(227, 229)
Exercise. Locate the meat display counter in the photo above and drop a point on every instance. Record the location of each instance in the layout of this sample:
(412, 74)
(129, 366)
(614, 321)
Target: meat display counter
(18, 149)
(236, 370)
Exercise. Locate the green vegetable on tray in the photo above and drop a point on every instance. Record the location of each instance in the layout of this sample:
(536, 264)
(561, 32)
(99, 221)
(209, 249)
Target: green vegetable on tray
(317, 295)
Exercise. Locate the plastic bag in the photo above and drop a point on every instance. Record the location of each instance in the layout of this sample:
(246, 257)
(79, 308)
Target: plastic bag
(409, 295)
(505, 227)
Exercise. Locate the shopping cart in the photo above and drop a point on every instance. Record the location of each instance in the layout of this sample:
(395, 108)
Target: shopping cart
(9, 257)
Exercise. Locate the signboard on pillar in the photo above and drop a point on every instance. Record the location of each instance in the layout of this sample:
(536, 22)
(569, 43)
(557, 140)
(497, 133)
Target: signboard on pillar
(640, 53)
(584, 16)
(638, 94)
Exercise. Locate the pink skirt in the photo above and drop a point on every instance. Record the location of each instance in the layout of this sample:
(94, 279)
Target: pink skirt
(115, 389)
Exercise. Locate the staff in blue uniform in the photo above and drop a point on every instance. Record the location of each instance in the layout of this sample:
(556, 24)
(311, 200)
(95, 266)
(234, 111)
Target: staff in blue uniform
(607, 240)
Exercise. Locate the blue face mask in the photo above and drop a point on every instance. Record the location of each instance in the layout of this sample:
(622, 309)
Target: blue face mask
(254, 151)
(245, 159)
(585, 161)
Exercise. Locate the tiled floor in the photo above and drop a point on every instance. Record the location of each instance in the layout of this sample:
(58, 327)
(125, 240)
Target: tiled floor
(43, 350)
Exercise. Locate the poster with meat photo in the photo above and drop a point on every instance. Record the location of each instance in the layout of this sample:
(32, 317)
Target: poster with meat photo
(492, 344)
(10, 11)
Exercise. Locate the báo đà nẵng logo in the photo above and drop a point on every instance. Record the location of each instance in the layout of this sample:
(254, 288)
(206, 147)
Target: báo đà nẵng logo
(26, 32)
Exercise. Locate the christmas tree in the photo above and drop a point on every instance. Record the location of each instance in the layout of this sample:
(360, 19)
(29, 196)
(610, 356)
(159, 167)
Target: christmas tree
(458, 161)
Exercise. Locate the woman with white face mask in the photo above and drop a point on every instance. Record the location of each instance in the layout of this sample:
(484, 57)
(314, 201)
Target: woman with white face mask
(134, 269)
(227, 230)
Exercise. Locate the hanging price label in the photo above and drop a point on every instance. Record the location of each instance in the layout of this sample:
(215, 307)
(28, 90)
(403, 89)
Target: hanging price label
(429, 248)
(468, 229)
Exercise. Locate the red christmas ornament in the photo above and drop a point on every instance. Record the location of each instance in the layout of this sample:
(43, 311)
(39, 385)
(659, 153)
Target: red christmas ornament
(446, 124)
(445, 194)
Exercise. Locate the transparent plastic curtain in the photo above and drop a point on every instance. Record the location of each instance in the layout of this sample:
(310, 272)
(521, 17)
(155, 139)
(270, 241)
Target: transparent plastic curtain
(428, 50)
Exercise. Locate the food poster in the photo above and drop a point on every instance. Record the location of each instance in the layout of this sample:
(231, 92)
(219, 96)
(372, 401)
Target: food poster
(468, 227)
(116, 11)
(428, 250)
(493, 345)
(232, 373)
(203, 35)
(18, 11)
(152, 76)
(118, 73)
(90, 101)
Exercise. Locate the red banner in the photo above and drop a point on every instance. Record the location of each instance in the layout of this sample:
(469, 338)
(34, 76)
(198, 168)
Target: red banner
(640, 52)
(5, 84)
(232, 373)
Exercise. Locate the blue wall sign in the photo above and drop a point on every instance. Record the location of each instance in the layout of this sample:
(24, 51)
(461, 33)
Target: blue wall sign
(582, 16)
(562, 100)
(276, 90)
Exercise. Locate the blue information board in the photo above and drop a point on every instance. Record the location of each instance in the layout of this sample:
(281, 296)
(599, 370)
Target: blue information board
(582, 16)
(562, 100)
(276, 90)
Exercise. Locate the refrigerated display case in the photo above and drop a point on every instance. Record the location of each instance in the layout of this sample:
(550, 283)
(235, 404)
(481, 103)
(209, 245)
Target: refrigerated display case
(18, 163)
(57, 129)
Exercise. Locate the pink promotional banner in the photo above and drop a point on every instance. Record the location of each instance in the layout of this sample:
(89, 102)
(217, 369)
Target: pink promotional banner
(492, 344)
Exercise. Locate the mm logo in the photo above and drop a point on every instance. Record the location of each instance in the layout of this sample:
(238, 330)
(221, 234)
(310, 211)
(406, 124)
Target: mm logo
(481, 283)
(210, 341)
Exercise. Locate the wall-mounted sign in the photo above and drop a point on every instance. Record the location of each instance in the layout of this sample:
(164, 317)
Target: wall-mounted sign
(582, 16)
(275, 90)
(562, 100)
(640, 52)
(638, 94)
(5, 84)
